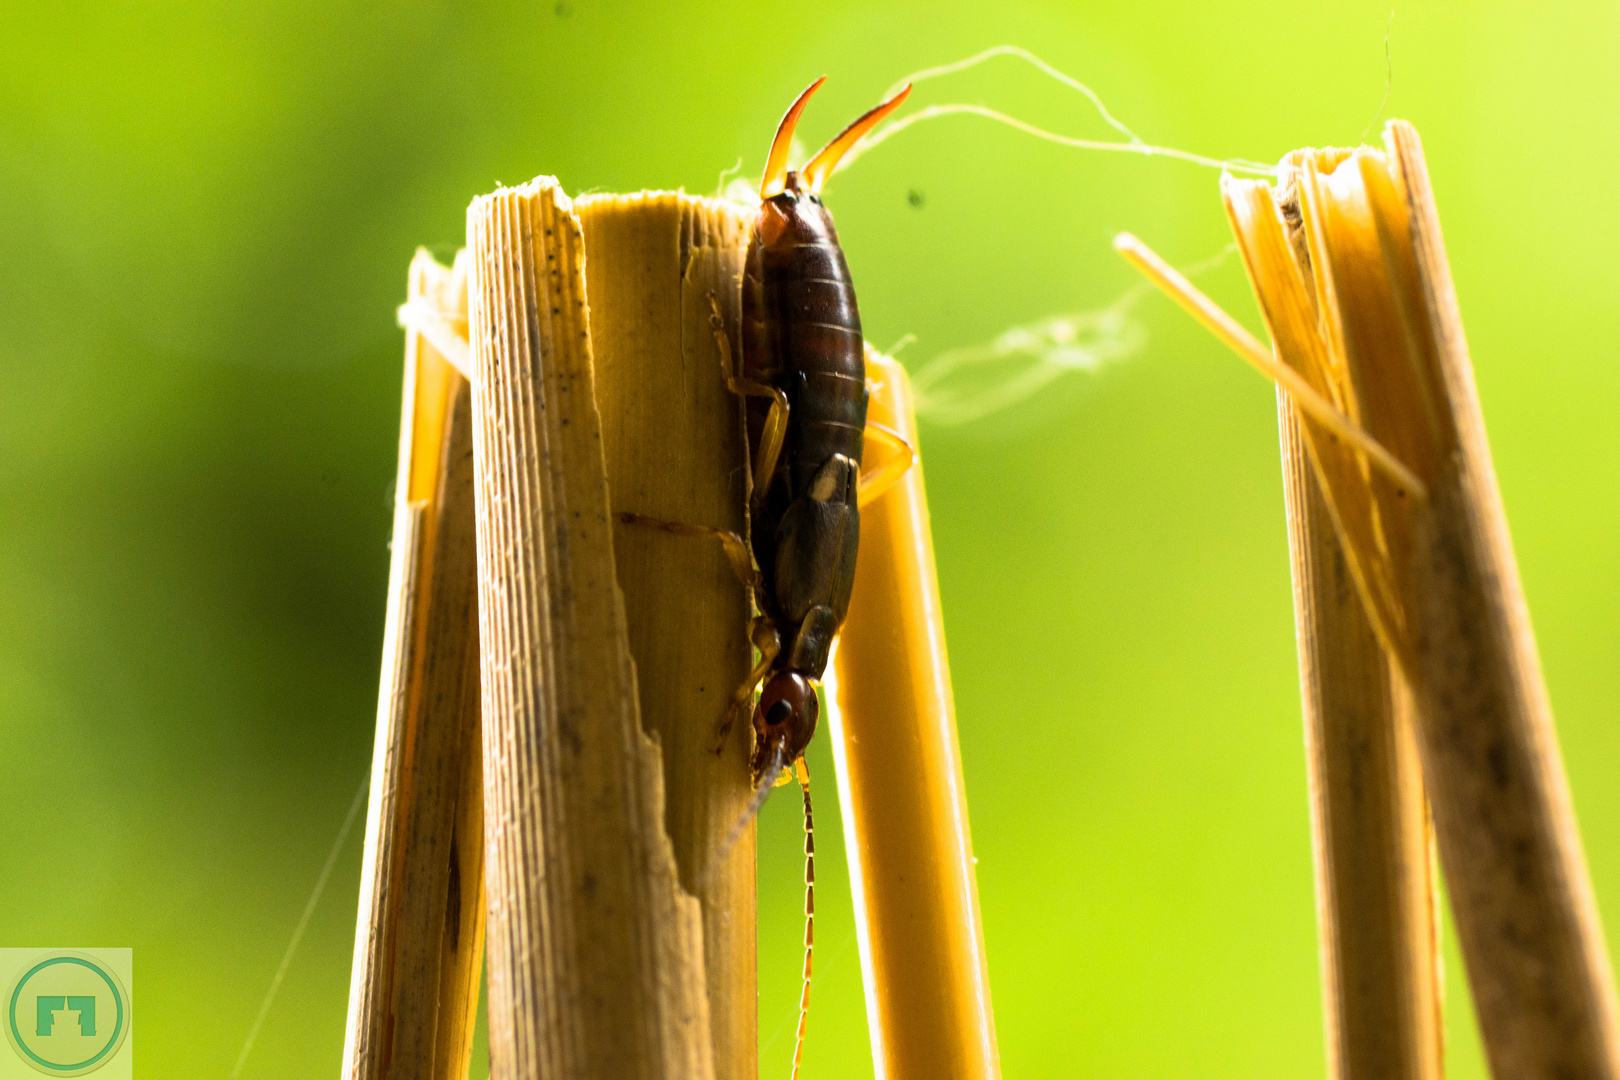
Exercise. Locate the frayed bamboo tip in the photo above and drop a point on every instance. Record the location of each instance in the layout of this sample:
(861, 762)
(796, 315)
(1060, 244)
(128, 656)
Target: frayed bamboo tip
(1349, 268)
(900, 784)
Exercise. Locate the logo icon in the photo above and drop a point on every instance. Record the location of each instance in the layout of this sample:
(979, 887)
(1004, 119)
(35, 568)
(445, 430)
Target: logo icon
(67, 1012)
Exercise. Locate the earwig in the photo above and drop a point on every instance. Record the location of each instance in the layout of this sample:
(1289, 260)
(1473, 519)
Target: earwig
(804, 374)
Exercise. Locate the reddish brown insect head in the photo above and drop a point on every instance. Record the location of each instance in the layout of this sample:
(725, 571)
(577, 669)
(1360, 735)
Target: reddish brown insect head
(784, 721)
(776, 161)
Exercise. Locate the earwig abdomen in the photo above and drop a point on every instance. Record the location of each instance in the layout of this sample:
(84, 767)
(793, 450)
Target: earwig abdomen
(802, 334)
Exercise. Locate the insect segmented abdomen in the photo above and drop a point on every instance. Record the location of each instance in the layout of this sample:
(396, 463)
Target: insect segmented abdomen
(803, 334)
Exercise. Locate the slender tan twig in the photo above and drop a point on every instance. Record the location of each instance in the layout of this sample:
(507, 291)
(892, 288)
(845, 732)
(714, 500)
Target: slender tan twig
(419, 941)
(901, 791)
(1240, 341)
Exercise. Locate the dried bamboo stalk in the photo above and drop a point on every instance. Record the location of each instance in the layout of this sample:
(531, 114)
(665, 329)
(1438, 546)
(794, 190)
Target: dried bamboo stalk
(419, 942)
(673, 446)
(900, 785)
(1523, 901)
(1375, 884)
(1373, 324)
(595, 953)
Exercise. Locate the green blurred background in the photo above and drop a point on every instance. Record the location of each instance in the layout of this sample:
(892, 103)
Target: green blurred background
(206, 214)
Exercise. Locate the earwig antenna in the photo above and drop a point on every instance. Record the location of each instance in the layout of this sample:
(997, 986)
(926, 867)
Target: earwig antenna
(809, 914)
(761, 793)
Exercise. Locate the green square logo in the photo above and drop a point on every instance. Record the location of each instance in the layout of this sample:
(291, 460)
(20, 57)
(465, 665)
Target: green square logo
(67, 1012)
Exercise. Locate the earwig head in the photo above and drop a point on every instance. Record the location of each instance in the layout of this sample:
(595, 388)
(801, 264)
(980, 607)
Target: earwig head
(784, 721)
(778, 179)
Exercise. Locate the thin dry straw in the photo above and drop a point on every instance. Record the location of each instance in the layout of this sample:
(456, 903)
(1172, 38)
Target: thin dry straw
(303, 922)
(1134, 145)
(446, 331)
(1230, 331)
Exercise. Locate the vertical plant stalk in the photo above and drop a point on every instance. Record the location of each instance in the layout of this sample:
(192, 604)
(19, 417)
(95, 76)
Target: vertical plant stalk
(419, 940)
(1377, 919)
(595, 953)
(673, 446)
(1525, 910)
(900, 783)
(1350, 271)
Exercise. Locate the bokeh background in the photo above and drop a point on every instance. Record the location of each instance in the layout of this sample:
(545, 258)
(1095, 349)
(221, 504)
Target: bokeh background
(206, 212)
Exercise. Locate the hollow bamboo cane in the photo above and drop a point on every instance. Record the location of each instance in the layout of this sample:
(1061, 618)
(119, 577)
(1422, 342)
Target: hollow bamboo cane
(673, 446)
(1372, 321)
(900, 784)
(1525, 911)
(1349, 268)
(595, 953)
(1375, 884)
(419, 940)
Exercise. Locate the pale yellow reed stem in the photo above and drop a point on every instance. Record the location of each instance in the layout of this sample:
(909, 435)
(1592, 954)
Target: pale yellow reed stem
(672, 441)
(900, 784)
(1377, 921)
(419, 942)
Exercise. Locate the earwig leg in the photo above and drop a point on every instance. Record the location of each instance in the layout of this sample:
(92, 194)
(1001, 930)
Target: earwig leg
(761, 630)
(717, 323)
(875, 483)
(765, 638)
(770, 444)
(736, 549)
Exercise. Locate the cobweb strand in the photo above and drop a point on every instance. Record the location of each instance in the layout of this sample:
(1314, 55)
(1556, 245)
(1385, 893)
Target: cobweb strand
(953, 387)
(931, 112)
(1133, 144)
(1030, 58)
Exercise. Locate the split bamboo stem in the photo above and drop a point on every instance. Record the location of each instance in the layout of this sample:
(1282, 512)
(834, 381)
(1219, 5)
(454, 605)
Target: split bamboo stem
(1525, 910)
(900, 785)
(595, 963)
(673, 445)
(1377, 919)
(419, 939)
(1375, 325)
